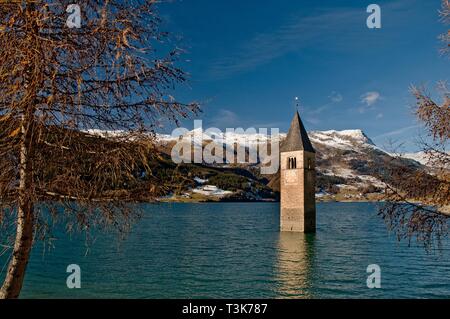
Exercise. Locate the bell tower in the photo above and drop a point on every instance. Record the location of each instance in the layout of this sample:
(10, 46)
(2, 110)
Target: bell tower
(297, 181)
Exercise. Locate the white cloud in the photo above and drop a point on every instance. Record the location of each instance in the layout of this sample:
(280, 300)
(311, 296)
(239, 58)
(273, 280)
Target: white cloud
(224, 119)
(397, 132)
(301, 31)
(370, 98)
(293, 36)
(336, 97)
(380, 116)
(312, 120)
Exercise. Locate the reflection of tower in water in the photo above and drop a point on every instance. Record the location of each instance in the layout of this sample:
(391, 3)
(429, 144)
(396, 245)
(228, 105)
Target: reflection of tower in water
(294, 265)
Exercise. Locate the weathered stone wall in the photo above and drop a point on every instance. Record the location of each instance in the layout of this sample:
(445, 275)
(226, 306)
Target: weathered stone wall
(297, 187)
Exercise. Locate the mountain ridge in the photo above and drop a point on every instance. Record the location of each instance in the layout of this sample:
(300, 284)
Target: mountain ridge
(348, 161)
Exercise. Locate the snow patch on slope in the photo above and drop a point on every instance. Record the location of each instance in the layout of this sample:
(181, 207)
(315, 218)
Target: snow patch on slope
(337, 139)
(346, 139)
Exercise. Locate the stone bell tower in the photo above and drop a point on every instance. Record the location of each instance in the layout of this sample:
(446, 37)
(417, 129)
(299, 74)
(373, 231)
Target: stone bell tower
(297, 181)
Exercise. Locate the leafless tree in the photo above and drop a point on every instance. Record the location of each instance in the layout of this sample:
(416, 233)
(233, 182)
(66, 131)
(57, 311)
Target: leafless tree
(418, 203)
(57, 84)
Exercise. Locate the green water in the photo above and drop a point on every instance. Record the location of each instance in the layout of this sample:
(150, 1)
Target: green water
(234, 250)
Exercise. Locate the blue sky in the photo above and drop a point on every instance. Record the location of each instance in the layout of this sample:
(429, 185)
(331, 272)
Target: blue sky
(248, 60)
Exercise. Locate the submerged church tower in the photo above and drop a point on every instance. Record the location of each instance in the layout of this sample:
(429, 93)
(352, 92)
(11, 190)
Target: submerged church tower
(297, 182)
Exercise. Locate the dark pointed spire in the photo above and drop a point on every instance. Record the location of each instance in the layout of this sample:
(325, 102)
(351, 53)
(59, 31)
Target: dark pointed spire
(297, 138)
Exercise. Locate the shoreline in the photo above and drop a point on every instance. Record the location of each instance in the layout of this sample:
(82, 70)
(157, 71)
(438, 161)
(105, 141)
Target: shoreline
(187, 201)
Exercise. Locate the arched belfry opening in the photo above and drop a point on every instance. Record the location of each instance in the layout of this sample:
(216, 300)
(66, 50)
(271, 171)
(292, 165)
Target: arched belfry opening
(298, 203)
(292, 163)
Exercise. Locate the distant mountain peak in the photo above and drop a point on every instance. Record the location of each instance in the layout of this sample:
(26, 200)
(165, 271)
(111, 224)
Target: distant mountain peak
(345, 139)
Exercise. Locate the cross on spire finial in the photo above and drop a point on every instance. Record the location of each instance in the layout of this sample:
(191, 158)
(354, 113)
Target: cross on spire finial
(297, 103)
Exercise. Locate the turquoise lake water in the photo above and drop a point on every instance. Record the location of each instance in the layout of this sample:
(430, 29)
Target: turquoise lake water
(234, 250)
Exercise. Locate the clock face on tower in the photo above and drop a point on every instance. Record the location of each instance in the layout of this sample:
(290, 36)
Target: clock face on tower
(291, 177)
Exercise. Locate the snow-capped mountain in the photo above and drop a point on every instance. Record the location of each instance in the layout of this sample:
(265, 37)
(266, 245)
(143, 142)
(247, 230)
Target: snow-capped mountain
(348, 162)
(420, 157)
(346, 139)
(425, 158)
(249, 138)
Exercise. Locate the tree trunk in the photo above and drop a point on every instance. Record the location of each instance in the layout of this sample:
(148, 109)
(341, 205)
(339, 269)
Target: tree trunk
(13, 282)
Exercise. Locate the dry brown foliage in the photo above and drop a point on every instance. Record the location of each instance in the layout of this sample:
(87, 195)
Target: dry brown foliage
(114, 73)
(418, 203)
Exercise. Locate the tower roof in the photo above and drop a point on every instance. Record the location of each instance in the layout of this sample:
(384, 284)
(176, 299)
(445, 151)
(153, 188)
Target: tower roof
(297, 138)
